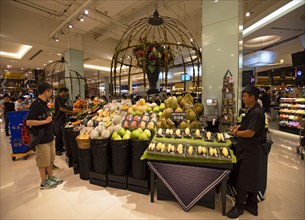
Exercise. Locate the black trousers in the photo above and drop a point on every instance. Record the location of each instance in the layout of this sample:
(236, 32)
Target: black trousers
(6, 121)
(246, 197)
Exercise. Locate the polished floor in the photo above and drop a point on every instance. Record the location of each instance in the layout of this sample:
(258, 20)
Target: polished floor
(21, 197)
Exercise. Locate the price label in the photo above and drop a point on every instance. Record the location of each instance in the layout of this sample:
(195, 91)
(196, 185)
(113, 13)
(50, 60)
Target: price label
(178, 116)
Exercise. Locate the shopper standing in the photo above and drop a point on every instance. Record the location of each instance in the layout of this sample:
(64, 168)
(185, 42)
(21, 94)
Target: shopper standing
(9, 106)
(18, 104)
(250, 134)
(60, 118)
(40, 117)
(266, 100)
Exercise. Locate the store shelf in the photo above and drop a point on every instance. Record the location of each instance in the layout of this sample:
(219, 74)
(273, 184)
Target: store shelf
(292, 112)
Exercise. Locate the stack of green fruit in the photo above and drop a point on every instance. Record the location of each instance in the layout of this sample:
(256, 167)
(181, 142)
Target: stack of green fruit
(141, 134)
(121, 134)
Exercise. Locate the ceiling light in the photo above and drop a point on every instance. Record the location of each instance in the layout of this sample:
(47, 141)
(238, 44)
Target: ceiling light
(81, 18)
(56, 39)
(281, 60)
(273, 16)
(86, 12)
(59, 54)
(248, 14)
(19, 54)
(70, 26)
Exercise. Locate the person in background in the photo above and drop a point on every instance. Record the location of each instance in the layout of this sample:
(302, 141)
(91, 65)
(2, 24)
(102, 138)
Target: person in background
(40, 116)
(266, 100)
(18, 103)
(250, 135)
(60, 118)
(8, 106)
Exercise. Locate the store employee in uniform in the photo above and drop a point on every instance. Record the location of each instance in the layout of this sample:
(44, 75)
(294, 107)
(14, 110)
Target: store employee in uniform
(60, 118)
(249, 135)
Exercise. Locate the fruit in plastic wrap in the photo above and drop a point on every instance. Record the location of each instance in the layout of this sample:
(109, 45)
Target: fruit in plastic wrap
(225, 152)
(211, 151)
(125, 124)
(178, 132)
(197, 133)
(162, 148)
(160, 132)
(204, 150)
(170, 148)
(187, 131)
(134, 125)
(215, 152)
(209, 135)
(169, 131)
(142, 124)
(199, 150)
(158, 147)
(151, 146)
(190, 150)
(220, 137)
(180, 149)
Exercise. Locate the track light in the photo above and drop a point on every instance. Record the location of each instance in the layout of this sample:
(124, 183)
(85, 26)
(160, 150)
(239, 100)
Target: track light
(80, 18)
(70, 26)
(56, 39)
(86, 12)
(248, 13)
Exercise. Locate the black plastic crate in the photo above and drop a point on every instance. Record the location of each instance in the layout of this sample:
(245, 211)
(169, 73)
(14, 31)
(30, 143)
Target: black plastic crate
(139, 186)
(73, 145)
(101, 155)
(119, 182)
(66, 139)
(98, 179)
(139, 168)
(85, 163)
(121, 157)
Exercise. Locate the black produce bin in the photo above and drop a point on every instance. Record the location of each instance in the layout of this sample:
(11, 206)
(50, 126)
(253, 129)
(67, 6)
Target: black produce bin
(101, 155)
(139, 168)
(121, 157)
(85, 163)
(73, 145)
(66, 139)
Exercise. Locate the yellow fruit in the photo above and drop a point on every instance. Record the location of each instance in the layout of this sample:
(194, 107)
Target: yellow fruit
(225, 152)
(197, 133)
(178, 132)
(204, 150)
(209, 135)
(211, 151)
(215, 152)
(180, 149)
(199, 150)
(190, 150)
(187, 131)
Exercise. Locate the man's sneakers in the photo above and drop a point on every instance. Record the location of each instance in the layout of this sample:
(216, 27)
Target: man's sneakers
(56, 180)
(51, 183)
(48, 184)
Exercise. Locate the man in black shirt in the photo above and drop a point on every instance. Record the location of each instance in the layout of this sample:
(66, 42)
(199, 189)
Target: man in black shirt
(60, 118)
(9, 106)
(250, 134)
(40, 117)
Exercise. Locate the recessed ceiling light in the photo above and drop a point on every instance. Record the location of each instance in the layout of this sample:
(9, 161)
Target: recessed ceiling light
(59, 54)
(70, 26)
(86, 12)
(50, 61)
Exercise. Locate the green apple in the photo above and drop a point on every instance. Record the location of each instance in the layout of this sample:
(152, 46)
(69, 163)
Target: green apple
(135, 134)
(162, 106)
(143, 136)
(147, 132)
(126, 136)
(121, 132)
(114, 135)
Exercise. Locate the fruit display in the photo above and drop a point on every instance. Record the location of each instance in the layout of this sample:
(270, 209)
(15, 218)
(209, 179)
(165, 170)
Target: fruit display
(180, 104)
(188, 150)
(144, 120)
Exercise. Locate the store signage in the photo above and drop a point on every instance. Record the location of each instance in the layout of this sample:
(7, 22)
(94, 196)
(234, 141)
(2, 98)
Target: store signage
(178, 116)
(9, 75)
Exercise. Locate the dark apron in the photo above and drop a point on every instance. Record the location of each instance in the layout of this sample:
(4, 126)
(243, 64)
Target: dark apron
(248, 152)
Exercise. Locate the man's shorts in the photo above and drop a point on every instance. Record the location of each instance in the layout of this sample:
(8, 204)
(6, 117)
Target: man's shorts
(45, 154)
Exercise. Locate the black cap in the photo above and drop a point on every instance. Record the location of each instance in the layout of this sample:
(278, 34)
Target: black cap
(252, 90)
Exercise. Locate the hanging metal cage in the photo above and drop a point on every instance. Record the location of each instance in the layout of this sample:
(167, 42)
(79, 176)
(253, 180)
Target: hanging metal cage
(55, 74)
(154, 44)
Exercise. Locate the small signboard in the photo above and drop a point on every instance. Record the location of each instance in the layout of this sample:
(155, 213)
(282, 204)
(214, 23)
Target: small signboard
(178, 116)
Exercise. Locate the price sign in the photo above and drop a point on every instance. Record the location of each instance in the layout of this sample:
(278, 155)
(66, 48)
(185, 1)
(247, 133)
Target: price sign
(178, 116)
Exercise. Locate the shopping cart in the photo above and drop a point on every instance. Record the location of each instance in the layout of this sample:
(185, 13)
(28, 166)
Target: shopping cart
(301, 147)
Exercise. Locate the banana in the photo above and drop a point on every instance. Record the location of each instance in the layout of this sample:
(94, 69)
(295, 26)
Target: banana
(225, 152)
(209, 135)
(211, 151)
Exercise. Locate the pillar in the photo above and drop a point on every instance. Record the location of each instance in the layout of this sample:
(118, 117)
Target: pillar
(107, 81)
(221, 50)
(75, 62)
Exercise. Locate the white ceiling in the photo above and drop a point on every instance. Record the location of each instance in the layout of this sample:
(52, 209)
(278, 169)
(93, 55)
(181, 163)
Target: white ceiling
(32, 22)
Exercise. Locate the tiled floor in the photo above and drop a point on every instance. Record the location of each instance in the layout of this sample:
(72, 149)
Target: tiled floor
(21, 197)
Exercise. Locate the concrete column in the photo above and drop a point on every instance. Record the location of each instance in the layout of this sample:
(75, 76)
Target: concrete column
(107, 81)
(221, 49)
(74, 58)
